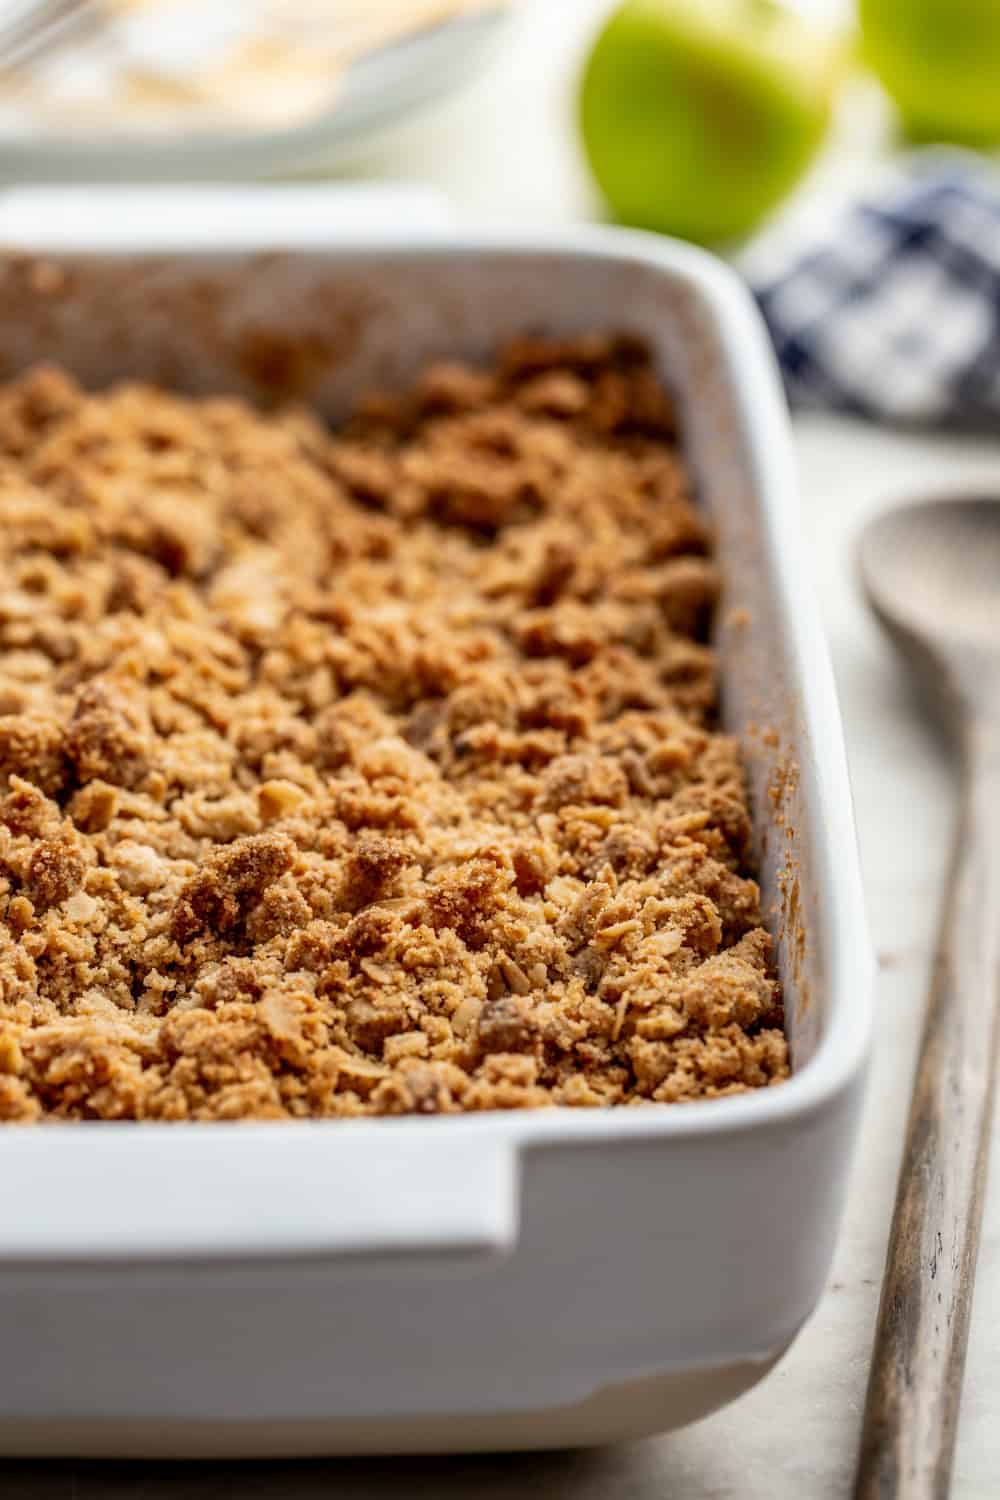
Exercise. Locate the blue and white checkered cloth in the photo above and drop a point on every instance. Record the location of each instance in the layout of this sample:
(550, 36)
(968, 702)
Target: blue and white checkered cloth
(894, 314)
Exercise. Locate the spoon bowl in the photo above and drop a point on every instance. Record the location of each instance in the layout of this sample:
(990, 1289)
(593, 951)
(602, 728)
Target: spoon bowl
(931, 572)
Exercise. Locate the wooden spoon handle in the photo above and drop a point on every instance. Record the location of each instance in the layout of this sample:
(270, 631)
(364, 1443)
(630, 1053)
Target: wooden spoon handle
(908, 1439)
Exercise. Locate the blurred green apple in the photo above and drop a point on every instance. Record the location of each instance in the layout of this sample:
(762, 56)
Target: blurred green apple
(940, 61)
(698, 116)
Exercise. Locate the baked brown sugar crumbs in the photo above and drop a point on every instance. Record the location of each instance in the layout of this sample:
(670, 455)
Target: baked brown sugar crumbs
(367, 773)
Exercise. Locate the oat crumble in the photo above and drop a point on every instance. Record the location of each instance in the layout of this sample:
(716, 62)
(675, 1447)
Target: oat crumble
(371, 772)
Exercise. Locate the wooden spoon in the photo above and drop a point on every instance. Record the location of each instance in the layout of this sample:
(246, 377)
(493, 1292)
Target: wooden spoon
(932, 576)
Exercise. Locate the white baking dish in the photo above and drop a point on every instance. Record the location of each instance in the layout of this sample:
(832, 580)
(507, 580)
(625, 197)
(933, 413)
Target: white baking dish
(497, 1281)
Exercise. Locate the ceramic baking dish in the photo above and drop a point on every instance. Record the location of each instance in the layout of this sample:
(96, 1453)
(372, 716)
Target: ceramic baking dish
(534, 1279)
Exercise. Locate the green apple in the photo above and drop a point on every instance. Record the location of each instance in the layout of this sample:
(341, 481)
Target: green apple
(940, 61)
(699, 116)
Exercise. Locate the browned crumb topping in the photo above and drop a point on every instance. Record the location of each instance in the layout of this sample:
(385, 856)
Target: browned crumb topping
(367, 773)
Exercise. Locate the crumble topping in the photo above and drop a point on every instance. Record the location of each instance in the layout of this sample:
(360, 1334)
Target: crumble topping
(370, 772)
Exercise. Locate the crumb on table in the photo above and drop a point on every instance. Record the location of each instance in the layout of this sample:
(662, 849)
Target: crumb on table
(368, 772)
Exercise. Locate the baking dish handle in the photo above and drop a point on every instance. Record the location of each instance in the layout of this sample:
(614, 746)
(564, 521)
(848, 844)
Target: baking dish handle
(92, 1194)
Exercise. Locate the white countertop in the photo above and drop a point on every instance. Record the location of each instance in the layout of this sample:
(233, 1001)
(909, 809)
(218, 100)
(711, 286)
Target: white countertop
(503, 152)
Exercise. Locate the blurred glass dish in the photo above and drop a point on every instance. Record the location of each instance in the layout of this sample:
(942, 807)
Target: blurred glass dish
(185, 88)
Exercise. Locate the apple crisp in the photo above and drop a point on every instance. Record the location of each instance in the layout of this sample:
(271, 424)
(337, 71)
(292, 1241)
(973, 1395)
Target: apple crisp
(367, 772)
